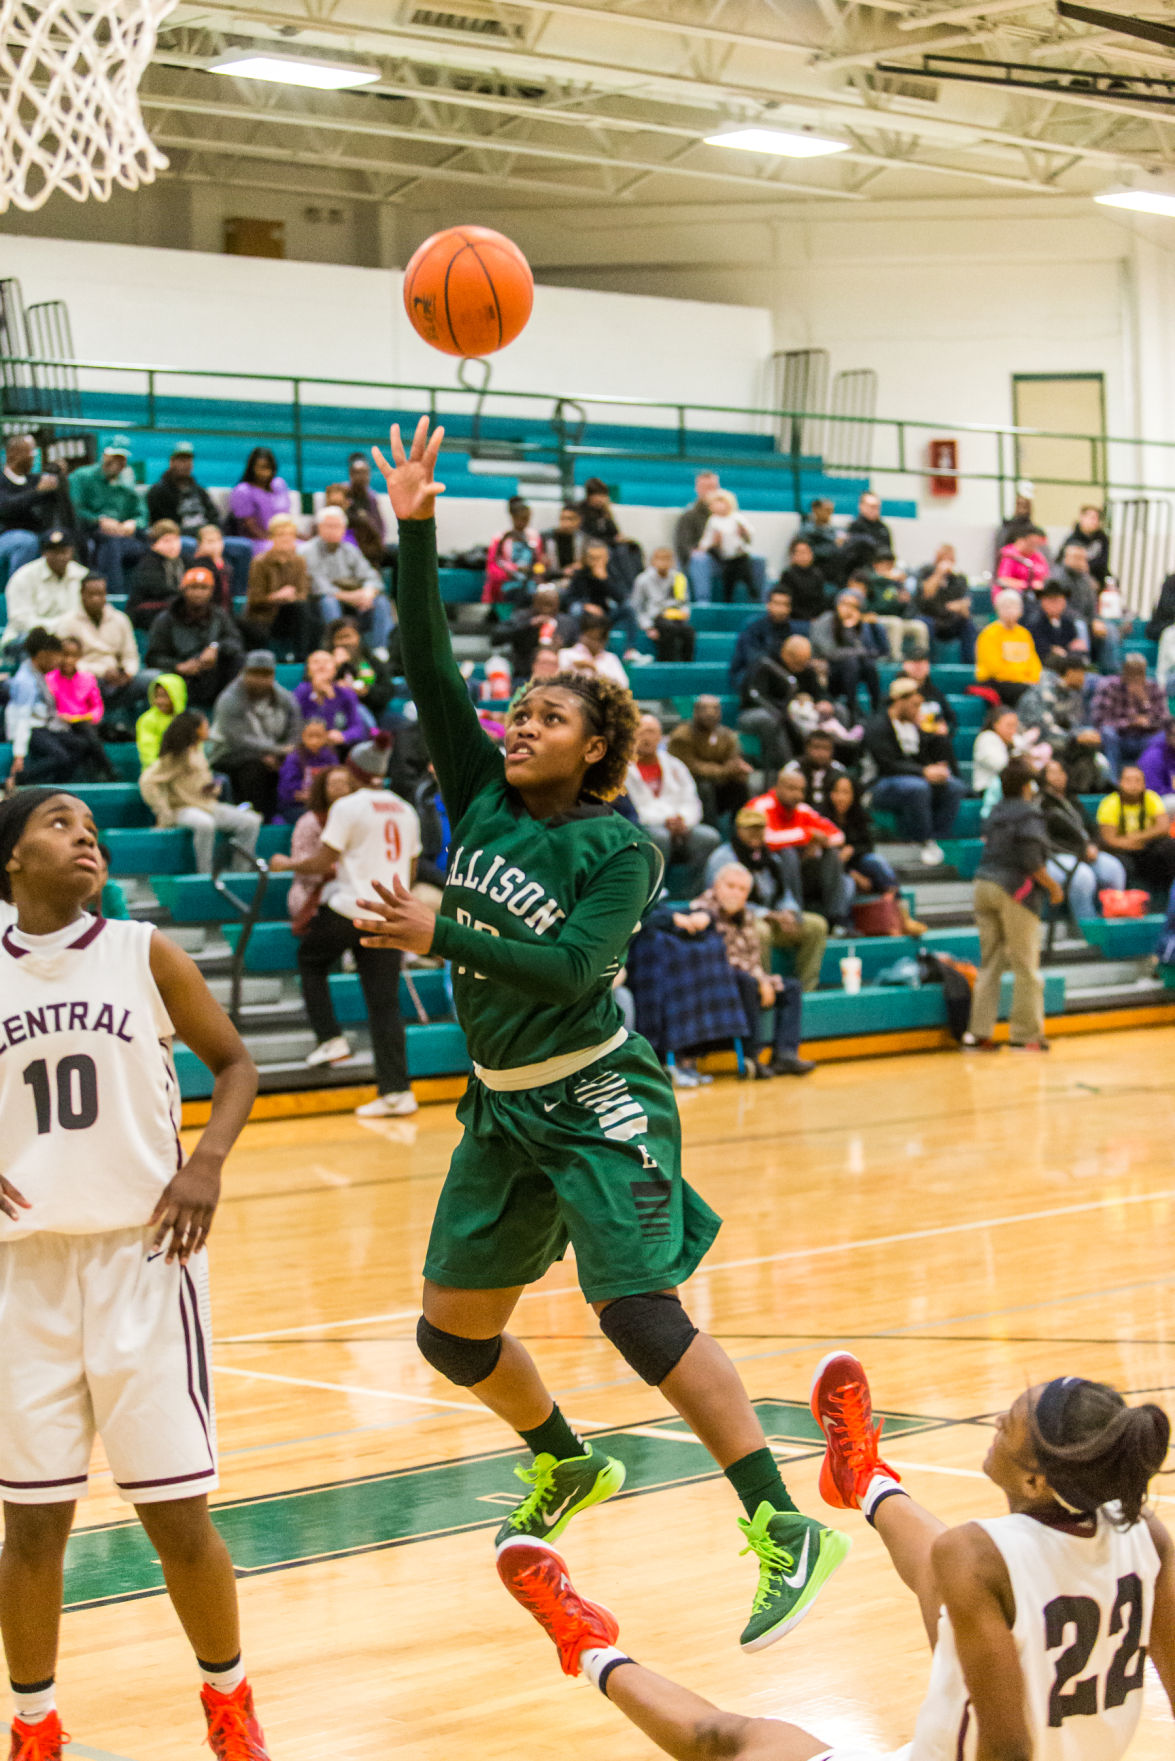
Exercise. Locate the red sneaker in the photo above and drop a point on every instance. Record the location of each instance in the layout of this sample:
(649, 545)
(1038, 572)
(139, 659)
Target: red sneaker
(37, 1742)
(233, 1731)
(536, 1576)
(843, 1408)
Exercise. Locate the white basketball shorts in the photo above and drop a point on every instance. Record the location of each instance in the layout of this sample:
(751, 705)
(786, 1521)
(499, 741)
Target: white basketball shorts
(99, 1334)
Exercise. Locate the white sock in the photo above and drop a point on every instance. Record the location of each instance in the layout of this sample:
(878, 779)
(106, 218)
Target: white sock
(879, 1487)
(225, 1680)
(598, 1662)
(32, 1707)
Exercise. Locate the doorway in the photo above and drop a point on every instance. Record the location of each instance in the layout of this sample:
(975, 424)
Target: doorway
(1072, 407)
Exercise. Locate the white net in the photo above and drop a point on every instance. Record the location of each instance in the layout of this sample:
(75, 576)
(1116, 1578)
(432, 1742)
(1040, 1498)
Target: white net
(69, 98)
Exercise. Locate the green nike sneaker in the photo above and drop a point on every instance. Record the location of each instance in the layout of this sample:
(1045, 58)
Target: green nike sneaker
(559, 1490)
(797, 1556)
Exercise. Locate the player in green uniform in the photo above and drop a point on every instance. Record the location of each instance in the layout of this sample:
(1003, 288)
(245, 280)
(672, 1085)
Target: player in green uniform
(571, 1128)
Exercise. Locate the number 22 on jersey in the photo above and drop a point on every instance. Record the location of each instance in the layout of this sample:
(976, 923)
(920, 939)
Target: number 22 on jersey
(1078, 1619)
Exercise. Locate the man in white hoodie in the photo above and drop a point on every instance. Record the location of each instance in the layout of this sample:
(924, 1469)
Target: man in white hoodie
(667, 804)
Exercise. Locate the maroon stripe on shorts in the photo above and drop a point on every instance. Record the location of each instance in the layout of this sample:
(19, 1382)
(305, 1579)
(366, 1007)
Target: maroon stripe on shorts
(174, 1480)
(191, 1326)
(43, 1485)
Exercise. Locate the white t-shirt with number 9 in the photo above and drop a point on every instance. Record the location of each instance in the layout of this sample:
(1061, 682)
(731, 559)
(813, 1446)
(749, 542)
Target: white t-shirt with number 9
(377, 836)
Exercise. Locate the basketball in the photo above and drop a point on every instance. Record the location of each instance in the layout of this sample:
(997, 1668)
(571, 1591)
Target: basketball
(468, 291)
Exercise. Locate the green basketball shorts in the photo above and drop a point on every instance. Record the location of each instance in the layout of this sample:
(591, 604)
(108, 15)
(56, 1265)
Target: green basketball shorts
(593, 1160)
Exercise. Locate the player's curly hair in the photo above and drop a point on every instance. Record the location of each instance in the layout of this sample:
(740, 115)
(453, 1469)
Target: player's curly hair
(609, 709)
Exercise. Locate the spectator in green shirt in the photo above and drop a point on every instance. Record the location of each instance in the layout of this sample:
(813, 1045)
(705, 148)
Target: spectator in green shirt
(110, 514)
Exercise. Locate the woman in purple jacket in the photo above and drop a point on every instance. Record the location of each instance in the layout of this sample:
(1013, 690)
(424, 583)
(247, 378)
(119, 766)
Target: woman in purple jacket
(1157, 763)
(320, 698)
(259, 495)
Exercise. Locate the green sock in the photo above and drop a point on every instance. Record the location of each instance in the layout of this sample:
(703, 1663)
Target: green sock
(555, 1437)
(756, 1479)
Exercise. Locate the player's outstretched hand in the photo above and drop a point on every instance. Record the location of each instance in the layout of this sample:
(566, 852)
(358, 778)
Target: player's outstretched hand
(186, 1208)
(10, 1198)
(396, 920)
(411, 478)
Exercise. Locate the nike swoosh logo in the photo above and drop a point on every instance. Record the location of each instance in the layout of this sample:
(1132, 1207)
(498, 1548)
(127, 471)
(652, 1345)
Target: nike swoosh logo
(158, 1254)
(802, 1569)
(547, 1105)
(551, 1517)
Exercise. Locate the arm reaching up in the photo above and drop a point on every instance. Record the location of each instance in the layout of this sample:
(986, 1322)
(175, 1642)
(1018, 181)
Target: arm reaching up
(465, 758)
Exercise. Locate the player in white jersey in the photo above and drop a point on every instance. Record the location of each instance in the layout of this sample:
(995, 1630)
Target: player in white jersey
(1040, 1621)
(104, 1323)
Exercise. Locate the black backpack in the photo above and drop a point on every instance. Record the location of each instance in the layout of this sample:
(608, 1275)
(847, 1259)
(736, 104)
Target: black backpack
(957, 978)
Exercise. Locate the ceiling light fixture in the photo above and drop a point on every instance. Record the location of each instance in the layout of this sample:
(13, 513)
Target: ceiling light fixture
(782, 142)
(1141, 201)
(1150, 194)
(295, 70)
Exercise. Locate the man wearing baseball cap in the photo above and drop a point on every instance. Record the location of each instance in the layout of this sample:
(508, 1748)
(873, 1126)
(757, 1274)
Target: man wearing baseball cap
(914, 782)
(196, 639)
(255, 725)
(177, 496)
(371, 836)
(109, 512)
(41, 593)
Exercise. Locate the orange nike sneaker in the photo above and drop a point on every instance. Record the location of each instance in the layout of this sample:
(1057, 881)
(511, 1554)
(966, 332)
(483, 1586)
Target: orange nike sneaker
(37, 1742)
(843, 1408)
(233, 1731)
(536, 1576)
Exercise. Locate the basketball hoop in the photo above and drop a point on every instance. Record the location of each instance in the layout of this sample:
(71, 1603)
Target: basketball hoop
(69, 98)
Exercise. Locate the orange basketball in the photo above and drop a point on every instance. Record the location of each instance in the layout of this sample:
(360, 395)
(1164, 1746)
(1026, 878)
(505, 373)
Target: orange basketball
(468, 291)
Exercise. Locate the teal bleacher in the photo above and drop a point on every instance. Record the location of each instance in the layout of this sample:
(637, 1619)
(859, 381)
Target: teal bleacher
(139, 849)
(645, 468)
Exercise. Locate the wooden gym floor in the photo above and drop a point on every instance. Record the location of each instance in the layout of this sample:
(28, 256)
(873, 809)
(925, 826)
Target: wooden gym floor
(969, 1224)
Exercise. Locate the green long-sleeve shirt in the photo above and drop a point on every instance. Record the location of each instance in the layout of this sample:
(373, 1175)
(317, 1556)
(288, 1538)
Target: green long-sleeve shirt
(536, 914)
(96, 498)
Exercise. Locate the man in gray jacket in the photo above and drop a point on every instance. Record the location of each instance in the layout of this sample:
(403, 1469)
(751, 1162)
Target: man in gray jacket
(255, 724)
(344, 582)
(1072, 573)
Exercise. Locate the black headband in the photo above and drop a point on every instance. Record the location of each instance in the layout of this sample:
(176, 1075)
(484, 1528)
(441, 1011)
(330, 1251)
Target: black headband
(1051, 1406)
(1048, 1417)
(15, 814)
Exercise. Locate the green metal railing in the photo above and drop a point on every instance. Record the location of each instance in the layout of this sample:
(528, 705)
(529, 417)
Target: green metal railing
(1120, 465)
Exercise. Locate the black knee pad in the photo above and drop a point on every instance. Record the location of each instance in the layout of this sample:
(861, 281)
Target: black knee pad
(651, 1332)
(462, 1361)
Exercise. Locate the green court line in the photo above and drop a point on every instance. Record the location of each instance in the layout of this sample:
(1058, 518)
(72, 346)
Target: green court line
(338, 1520)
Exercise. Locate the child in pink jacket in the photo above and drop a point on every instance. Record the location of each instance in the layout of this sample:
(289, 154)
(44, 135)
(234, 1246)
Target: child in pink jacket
(75, 691)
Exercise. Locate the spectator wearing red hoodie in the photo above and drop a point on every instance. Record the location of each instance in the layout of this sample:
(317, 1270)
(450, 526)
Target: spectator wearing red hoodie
(793, 825)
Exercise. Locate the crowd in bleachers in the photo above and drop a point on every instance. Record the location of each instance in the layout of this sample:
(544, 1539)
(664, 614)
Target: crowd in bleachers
(166, 619)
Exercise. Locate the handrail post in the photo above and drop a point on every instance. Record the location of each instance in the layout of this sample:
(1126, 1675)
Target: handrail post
(797, 438)
(250, 914)
(682, 441)
(151, 423)
(1001, 473)
(297, 384)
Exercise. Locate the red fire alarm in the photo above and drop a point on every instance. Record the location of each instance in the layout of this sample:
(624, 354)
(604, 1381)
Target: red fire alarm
(943, 458)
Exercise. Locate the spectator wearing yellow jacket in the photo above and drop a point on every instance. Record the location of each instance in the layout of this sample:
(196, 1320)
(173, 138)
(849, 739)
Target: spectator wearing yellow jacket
(1005, 654)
